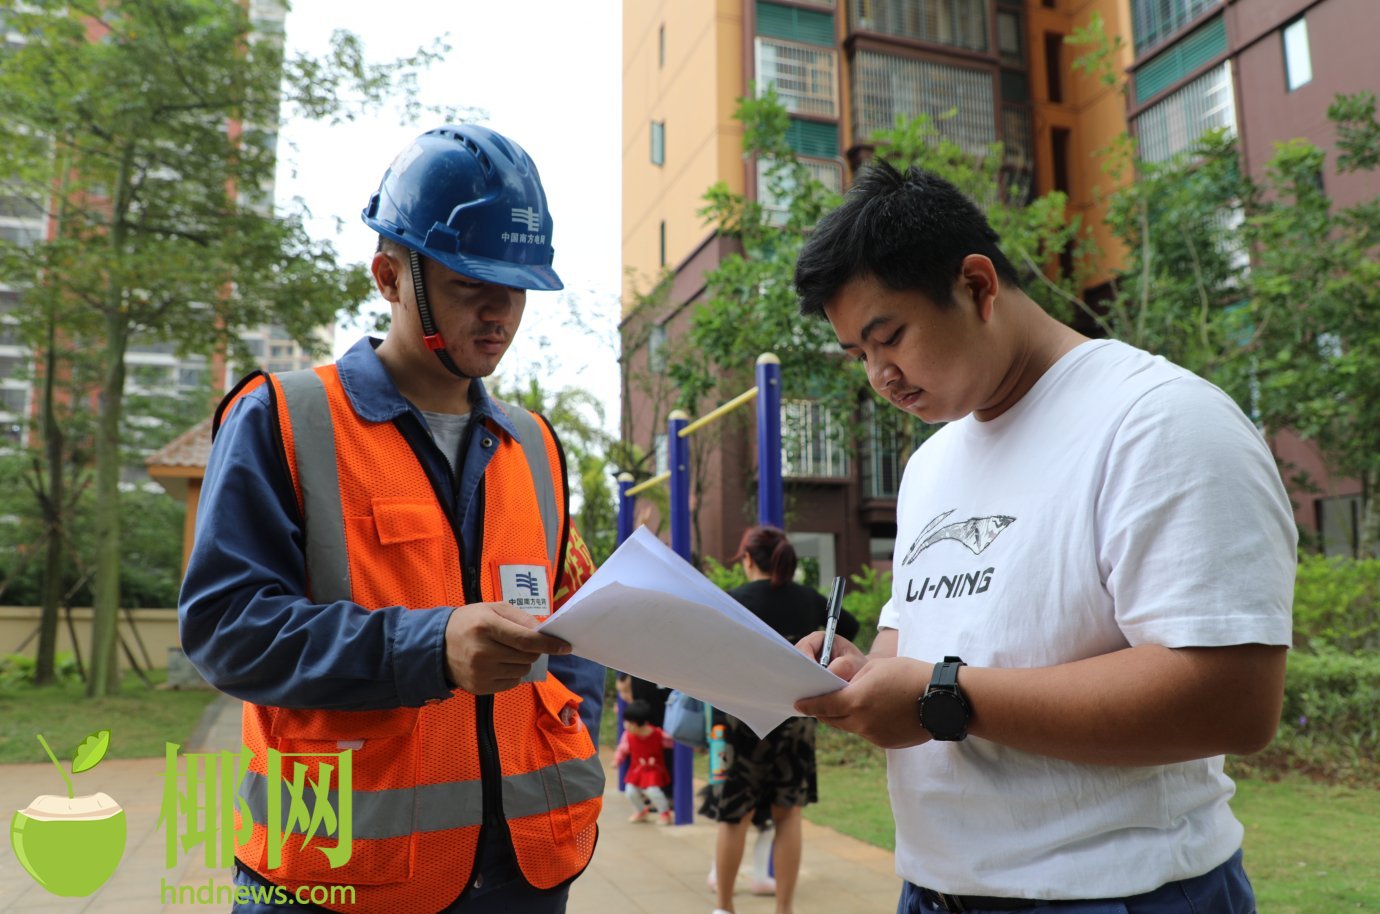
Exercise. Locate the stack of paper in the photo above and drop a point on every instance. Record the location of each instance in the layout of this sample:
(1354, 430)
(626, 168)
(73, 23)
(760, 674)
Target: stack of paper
(647, 612)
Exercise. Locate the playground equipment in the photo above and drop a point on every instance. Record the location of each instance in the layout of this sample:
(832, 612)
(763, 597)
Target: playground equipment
(770, 507)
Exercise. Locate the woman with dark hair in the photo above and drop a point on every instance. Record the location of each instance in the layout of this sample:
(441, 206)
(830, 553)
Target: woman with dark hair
(777, 772)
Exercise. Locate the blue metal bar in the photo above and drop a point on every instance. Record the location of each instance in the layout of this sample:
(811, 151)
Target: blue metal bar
(683, 772)
(626, 505)
(771, 501)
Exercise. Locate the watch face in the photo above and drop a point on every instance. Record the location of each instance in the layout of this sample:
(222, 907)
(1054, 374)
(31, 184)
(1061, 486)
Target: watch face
(944, 714)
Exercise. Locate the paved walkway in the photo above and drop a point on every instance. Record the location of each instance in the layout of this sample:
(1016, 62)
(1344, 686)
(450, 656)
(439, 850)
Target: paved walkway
(636, 869)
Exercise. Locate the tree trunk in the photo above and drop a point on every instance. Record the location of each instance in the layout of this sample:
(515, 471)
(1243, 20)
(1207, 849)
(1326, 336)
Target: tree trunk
(105, 603)
(44, 670)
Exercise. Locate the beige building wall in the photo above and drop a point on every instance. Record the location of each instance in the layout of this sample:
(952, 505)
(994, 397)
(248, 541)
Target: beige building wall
(683, 66)
(1092, 112)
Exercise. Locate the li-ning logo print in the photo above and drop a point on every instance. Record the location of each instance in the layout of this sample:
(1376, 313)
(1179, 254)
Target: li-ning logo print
(528, 217)
(976, 533)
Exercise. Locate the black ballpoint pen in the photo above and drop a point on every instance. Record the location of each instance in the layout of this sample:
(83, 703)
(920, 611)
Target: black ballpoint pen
(835, 609)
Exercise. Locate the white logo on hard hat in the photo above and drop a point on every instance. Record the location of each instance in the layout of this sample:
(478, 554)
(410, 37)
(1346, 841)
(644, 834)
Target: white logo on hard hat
(529, 217)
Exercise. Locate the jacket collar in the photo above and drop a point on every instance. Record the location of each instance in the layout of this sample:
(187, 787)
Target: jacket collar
(375, 398)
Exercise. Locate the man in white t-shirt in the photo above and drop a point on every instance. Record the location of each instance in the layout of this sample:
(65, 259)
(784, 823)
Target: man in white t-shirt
(1093, 582)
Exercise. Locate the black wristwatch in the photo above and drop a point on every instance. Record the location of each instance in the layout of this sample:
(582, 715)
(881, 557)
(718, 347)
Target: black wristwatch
(944, 712)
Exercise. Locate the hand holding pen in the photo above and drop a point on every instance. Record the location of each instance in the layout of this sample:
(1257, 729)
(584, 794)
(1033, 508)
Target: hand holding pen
(832, 624)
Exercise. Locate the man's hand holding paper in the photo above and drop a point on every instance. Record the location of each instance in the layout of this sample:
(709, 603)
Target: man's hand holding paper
(647, 612)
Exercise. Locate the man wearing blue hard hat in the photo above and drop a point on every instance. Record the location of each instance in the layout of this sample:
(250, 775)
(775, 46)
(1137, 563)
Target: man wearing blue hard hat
(377, 541)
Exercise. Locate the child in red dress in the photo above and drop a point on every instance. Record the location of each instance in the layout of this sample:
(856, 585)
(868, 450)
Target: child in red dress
(644, 745)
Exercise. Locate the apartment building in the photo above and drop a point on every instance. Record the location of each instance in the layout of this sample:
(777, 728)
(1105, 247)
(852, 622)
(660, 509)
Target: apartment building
(1266, 71)
(844, 69)
(153, 368)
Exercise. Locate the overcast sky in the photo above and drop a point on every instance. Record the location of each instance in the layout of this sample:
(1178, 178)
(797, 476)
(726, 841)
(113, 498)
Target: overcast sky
(548, 73)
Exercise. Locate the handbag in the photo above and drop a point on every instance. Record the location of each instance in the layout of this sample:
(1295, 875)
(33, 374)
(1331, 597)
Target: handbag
(685, 719)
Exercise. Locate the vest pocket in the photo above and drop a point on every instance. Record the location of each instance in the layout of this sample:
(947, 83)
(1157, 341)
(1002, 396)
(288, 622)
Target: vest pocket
(381, 802)
(553, 806)
(387, 547)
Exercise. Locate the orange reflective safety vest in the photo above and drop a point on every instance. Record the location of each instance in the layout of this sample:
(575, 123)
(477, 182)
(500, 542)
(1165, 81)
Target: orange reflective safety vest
(408, 809)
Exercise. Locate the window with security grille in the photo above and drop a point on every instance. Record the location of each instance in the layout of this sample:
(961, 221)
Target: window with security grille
(959, 23)
(14, 400)
(1154, 21)
(1177, 122)
(811, 441)
(804, 76)
(888, 440)
(885, 86)
(21, 234)
(16, 204)
(774, 195)
(14, 367)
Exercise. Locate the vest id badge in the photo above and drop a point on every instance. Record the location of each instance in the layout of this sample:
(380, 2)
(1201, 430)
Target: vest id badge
(527, 587)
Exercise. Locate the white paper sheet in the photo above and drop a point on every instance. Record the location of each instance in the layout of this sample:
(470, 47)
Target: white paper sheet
(647, 612)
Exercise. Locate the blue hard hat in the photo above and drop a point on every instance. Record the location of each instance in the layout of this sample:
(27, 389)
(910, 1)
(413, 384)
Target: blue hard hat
(470, 199)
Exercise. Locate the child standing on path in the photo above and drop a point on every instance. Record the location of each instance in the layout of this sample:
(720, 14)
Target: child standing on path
(644, 745)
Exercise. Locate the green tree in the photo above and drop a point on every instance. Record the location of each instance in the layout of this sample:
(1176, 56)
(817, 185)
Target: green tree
(147, 128)
(578, 418)
(1183, 292)
(1314, 291)
(1034, 231)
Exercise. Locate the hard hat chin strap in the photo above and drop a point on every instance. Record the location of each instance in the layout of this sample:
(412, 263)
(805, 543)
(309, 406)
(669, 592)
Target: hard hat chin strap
(431, 335)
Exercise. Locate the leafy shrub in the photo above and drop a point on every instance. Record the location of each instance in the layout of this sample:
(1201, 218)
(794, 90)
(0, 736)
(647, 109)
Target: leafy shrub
(725, 577)
(865, 598)
(1337, 604)
(1329, 726)
(18, 669)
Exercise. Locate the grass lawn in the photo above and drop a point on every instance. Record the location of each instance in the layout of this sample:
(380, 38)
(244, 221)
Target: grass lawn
(1311, 848)
(140, 719)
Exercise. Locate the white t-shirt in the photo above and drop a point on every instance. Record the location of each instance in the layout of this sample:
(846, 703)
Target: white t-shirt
(1121, 501)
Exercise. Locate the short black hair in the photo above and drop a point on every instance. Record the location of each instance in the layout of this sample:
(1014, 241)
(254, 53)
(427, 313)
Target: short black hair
(637, 712)
(910, 231)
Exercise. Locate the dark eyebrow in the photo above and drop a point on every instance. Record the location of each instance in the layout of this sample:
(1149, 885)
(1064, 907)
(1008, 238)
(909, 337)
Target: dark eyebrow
(867, 330)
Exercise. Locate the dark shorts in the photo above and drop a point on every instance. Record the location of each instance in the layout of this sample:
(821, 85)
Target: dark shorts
(504, 891)
(776, 771)
(1223, 890)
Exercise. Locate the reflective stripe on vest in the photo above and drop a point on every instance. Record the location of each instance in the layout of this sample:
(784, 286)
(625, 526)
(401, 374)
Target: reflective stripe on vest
(436, 807)
(534, 449)
(328, 564)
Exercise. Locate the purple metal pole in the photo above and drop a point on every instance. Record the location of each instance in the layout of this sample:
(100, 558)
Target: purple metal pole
(626, 504)
(771, 501)
(679, 448)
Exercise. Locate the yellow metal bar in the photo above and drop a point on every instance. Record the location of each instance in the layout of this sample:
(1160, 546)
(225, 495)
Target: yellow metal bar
(714, 415)
(645, 484)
